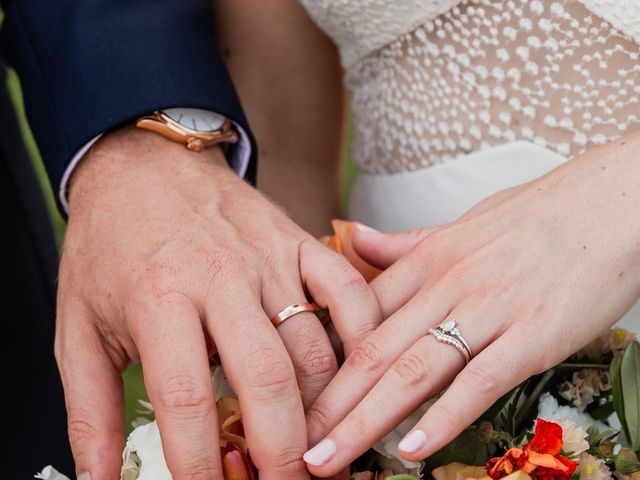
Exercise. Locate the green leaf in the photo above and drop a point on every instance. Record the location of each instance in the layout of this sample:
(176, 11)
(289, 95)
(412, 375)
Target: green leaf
(616, 391)
(493, 413)
(630, 384)
(506, 419)
(601, 444)
(466, 448)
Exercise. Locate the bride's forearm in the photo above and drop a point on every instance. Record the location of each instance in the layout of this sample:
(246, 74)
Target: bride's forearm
(608, 177)
(289, 79)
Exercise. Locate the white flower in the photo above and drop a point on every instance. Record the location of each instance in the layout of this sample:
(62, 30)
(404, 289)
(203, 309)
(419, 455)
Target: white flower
(592, 468)
(50, 473)
(143, 458)
(549, 409)
(574, 438)
(388, 446)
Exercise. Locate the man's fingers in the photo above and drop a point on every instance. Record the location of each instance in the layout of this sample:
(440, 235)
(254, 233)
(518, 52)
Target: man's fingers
(496, 370)
(261, 373)
(173, 351)
(335, 284)
(93, 395)
(303, 336)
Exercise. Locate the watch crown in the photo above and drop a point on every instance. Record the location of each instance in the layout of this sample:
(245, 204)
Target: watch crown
(195, 144)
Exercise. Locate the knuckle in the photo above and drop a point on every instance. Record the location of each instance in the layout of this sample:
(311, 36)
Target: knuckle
(158, 280)
(320, 418)
(358, 425)
(430, 246)
(80, 430)
(482, 379)
(410, 369)
(359, 331)
(417, 235)
(269, 372)
(226, 263)
(318, 361)
(186, 393)
(355, 281)
(200, 469)
(350, 279)
(366, 358)
(449, 419)
(288, 462)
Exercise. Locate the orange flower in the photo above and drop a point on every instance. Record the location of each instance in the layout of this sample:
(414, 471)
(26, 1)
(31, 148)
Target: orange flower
(341, 243)
(460, 471)
(540, 458)
(236, 462)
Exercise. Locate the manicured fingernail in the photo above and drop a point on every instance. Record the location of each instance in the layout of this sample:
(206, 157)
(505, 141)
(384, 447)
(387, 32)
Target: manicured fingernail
(365, 228)
(413, 442)
(321, 453)
(84, 476)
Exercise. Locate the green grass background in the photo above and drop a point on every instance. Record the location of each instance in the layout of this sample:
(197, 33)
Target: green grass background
(134, 386)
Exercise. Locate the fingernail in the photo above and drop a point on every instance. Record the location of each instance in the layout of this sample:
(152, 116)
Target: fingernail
(321, 453)
(84, 476)
(413, 442)
(365, 228)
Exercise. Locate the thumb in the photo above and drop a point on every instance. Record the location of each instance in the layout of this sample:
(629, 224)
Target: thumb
(384, 249)
(94, 399)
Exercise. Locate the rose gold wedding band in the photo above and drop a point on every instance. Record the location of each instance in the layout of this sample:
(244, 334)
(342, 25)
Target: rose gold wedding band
(292, 310)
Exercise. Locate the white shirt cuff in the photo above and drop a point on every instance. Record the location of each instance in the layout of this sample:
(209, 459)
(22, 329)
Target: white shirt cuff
(239, 162)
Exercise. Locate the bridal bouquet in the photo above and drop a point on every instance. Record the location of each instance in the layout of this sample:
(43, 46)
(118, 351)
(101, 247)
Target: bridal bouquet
(579, 420)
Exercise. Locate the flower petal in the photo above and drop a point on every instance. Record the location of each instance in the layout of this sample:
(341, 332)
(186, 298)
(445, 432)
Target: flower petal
(341, 243)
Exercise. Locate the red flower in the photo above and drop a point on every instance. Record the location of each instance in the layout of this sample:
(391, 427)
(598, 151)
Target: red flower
(540, 458)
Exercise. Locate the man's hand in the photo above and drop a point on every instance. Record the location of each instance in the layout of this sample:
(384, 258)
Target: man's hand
(168, 256)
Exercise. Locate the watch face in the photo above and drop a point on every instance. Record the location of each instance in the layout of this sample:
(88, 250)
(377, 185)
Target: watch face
(195, 119)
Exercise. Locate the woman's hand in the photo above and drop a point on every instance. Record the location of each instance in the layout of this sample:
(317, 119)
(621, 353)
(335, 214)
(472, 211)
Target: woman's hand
(530, 276)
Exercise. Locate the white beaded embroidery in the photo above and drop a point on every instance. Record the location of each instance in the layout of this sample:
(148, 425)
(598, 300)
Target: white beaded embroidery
(487, 72)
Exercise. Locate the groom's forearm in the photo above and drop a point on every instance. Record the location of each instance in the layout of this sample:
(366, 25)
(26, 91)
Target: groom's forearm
(89, 66)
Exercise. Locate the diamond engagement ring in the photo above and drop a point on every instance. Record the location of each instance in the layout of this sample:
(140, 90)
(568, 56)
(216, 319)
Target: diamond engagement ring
(297, 308)
(448, 332)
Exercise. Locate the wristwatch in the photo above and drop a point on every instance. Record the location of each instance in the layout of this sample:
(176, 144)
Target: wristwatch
(195, 128)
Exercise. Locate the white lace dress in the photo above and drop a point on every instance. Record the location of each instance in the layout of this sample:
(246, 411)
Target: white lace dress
(453, 100)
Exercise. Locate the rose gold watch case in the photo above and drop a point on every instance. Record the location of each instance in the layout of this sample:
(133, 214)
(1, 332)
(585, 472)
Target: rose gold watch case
(194, 140)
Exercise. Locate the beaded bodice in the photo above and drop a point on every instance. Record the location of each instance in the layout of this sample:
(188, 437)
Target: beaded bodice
(433, 79)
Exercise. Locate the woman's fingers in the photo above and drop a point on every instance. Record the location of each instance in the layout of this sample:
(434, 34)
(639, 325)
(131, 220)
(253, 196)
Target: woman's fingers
(420, 269)
(335, 284)
(501, 366)
(261, 373)
(384, 249)
(372, 358)
(415, 376)
(303, 336)
(93, 395)
(419, 373)
(173, 351)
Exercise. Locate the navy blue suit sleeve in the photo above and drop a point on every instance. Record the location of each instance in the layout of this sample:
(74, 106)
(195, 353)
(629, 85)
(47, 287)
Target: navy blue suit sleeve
(87, 66)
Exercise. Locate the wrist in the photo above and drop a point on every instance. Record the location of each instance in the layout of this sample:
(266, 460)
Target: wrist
(130, 156)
